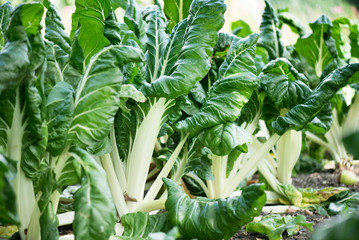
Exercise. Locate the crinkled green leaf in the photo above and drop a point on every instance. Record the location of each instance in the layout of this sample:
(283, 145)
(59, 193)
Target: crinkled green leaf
(301, 114)
(94, 208)
(315, 47)
(226, 98)
(5, 11)
(55, 30)
(140, 224)
(8, 207)
(98, 95)
(212, 218)
(176, 11)
(273, 226)
(284, 85)
(203, 22)
(270, 34)
(59, 113)
(173, 234)
(223, 138)
(156, 40)
(88, 22)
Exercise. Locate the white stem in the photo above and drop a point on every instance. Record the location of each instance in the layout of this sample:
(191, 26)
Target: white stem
(279, 209)
(211, 190)
(66, 218)
(24, 189)
(141, 153)
(219, 167)
(152, 206)
(201, 183)
(117, 163)
(156, 186)
(115, 187)
(289, 147)
(250, 164)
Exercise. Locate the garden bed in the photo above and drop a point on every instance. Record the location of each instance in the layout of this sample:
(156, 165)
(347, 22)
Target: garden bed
(326, 178)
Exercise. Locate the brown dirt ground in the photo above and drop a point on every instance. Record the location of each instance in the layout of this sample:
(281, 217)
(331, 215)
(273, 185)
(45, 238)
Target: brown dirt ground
(326, 178)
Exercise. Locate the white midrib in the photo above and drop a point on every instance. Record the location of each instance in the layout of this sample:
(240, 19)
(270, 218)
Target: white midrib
(139, 159)
(23, 185)
(319, 64)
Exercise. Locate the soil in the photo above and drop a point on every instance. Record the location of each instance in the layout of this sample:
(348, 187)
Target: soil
(326, 178)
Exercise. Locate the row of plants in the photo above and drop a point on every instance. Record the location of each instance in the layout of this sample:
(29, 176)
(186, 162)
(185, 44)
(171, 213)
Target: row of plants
(164, 112)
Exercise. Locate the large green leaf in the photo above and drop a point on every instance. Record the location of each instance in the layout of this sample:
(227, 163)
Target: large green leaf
(94, 209)
(236, 82)
(212, 219)
(284, 85)
(140, 224)
(55, 30)
(176, 11)
(315, 47)
(270, 34)
(7, 194)
(204, 20)
(273, 226)
(98, 95)
(223, 138)
(59, 113)
(88, 22)
(5, 11)
(303, 113)
(156, 39)
(292, 22)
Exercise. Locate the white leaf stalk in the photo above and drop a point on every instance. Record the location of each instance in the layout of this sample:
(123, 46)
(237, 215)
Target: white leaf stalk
(288, 150)
(219, 168)
(26, 202)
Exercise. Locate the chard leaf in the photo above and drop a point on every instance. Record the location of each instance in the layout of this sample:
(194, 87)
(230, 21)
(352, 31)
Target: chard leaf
(140, 224)
(59, 113)
(5, 11)
(173, 234)
(7, 195)
(223, 138)
(292, 22)
(315, 47)
(273, 226)
(315, 196)
(303, 113)
(94, 209)
(270, 33)
(236, 82)
(284, 85)
(339, 26)
(55, 30)
(204, 20)
(212, 219)
(102, 80)
(156, 39)
(176, 11)
(241, 29)
(88, 22)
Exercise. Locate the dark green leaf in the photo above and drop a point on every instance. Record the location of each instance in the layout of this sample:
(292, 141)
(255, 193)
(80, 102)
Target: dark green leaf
(303, 113)
(236, 82)
(176, 11)
(270, 33)
(94, 209)
(212, 219)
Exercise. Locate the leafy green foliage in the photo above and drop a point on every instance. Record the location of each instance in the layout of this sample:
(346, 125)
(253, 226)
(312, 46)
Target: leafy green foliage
(274, 225)
(301, 114)
(270, 34)
(94, 208)
(140, 225)
(205, 218)
(176, 11)
(7, 194)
